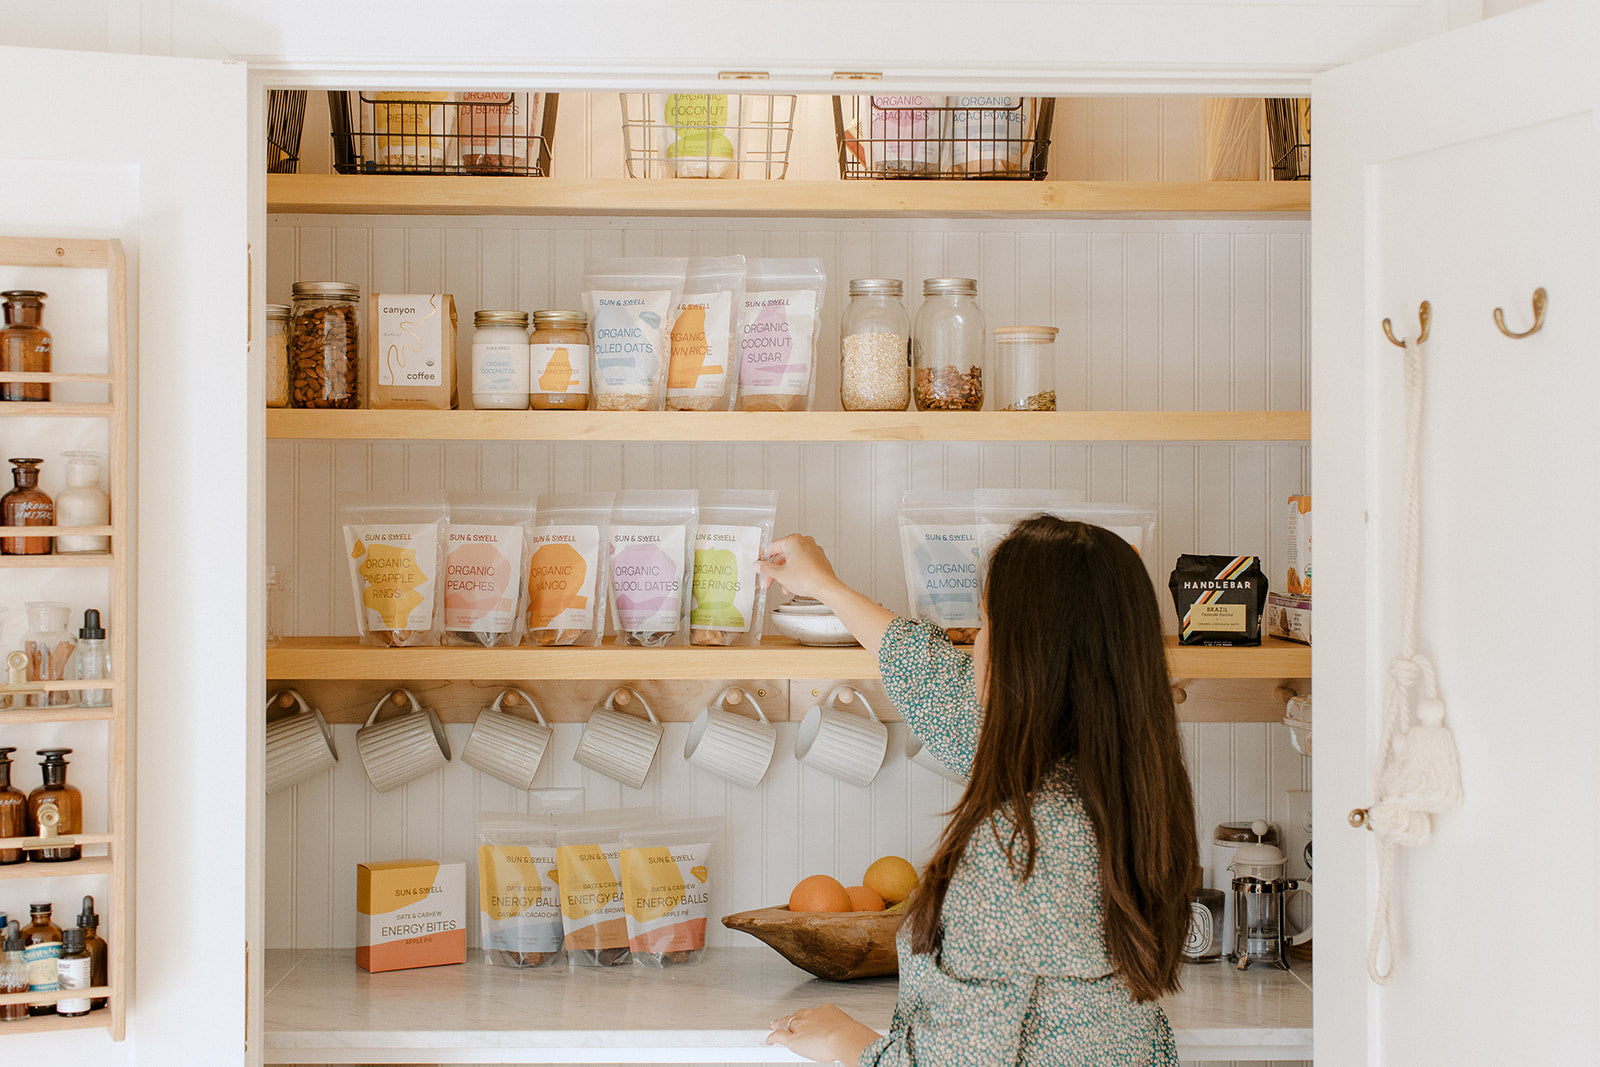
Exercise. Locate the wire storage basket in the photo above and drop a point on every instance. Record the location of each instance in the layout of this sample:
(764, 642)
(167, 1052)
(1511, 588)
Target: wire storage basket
(707, 135)
(286, 117)
(915, 136)
(1289, 138)
(438, 132)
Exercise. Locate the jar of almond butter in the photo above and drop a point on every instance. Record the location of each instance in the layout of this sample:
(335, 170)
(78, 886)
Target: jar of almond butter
(558, 351)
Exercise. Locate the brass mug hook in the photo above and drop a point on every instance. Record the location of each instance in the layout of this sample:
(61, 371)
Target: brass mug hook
(1540, 303)
(1424, 313)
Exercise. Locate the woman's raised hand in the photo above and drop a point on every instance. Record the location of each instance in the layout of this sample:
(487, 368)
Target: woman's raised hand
(798, 563)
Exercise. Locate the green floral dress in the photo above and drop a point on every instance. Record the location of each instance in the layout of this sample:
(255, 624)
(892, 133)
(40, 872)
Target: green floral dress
(1023, 976)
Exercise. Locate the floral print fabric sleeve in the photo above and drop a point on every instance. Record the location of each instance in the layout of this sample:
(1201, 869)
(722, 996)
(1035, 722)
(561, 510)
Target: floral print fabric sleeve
(933, 686)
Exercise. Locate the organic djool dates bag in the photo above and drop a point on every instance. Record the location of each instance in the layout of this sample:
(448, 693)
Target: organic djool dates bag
(652, 564)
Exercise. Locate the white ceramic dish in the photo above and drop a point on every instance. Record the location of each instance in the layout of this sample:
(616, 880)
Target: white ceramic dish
(809, 629)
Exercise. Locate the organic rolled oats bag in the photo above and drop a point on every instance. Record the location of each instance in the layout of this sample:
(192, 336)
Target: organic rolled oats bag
(630, 305)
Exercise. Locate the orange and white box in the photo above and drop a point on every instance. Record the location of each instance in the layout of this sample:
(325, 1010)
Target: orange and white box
(410, 913)
(1298, 583)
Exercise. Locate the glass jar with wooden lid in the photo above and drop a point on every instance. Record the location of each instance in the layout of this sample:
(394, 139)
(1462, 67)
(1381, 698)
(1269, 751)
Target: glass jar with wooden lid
(1025, 368)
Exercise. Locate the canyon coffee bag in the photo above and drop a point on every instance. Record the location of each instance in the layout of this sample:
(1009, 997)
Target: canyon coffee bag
(1219, 599)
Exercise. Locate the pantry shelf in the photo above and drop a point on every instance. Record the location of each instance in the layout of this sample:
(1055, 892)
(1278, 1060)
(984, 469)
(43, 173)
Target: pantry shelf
(49, 1024)
(93, 865)
(34, 409)
(800, 426)
(11, 716)
(85, 559)
(334, 658)
(379, 194)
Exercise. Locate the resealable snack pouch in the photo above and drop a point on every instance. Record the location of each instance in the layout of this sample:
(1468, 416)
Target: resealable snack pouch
(704, 371)
(409, 127)
(1219, 599)
(519, 901)
(669, 873)
(652, 564)
(781, 324)
(728, 605)
(493, 131)
(697, 134)
(395, 549)
(1000, 509)
(939, 547)
(988, 133)
(567, 568)
(487, 545)
(588, 870)
(630, 304)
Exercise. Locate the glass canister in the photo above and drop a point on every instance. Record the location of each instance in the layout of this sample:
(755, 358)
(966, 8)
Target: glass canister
(1025, 368)
(325, 345)
(558, 361)
(500, 360)
(276, 353)
(83, 503)
(24, 344)
(49, 644)
(947, 347)
(875, 347)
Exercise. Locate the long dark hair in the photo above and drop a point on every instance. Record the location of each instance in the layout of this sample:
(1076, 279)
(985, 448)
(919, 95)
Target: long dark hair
(1077, 674)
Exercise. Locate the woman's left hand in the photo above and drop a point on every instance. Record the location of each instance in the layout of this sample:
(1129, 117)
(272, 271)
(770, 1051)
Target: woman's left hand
(824, 1033)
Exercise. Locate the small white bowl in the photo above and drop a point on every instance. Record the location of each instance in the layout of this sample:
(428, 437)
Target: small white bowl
(811, 629)
(803, 605)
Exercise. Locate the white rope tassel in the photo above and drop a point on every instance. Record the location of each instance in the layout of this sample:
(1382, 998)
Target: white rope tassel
(1419, 770)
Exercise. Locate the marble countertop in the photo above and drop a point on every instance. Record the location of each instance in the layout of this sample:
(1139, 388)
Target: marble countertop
(322, 1008)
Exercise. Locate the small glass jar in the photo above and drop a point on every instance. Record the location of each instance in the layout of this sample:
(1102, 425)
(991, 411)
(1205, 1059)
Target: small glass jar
(325, 346)
(875, 347)
(1025, 368)
(83, 503)
(500, 360)
(276, 353)
(49, 644)
(558, 361)
(24, 344)
(947, 347)
(277, 604)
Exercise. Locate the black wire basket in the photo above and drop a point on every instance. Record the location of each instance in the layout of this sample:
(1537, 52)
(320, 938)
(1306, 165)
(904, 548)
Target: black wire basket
(286, 117)
(1289, 138)
(470, 132)
(957, 137)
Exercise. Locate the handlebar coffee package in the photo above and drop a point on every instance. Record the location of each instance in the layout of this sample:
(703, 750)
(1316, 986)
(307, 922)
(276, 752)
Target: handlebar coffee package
(1219, 599)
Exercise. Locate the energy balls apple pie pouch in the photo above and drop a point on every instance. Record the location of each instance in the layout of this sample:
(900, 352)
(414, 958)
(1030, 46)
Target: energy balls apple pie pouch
(668, 876)
(396, 553)
(567, 567)
(727, 603)
(778, 343)
(487, 545)
(939, 546)
(652, 563)
(630, 304)
(1219, 599)
(704, 371)
(588, 870)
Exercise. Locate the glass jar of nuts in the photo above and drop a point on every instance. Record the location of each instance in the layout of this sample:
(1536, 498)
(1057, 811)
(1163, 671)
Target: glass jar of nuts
(875, 347)
(325, 346)
(947, 347)
(1025, 368)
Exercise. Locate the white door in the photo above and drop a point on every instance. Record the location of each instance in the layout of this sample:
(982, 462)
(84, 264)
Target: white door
(153, 152)
(1463, 171)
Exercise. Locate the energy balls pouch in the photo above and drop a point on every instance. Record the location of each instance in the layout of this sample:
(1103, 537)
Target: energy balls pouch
(396, 553)
(652, 564)
(1219, 599)
(487, 545)
(567, 568)
(727, 604)
(630, 304)
(781, 323)
(519, 900)
(939, 545)
(588, 869)
(668, 877)
(704, 371)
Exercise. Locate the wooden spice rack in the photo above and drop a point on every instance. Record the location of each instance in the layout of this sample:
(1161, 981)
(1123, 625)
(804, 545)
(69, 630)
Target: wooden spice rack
(115, 866)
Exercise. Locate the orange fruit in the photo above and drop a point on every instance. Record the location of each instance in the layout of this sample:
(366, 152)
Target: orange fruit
(891, 877)
(864, 899)
(819, 893)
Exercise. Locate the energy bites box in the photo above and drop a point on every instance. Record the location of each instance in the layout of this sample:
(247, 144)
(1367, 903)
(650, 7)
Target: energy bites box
(410, 913)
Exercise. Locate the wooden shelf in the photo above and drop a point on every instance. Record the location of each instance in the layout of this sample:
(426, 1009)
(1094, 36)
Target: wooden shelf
(33, 409)
(10, 716)
(51, 377)
(333, 658)
(61, 559)
(1093, 426)
(420, 194)
(49, 1024)
(89, 865)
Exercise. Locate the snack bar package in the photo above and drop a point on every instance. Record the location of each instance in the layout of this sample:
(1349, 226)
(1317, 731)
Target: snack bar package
(668, 875)
(781, 324)
(939, 547)
(652, 563)
(588, 870)
(487, 545)
(703, 374)
(630, 304)
(567, 568)
(395, 549)
(1219, 599)
(728, 605)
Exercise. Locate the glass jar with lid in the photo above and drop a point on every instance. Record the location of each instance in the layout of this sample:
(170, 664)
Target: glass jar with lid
(325, 345)
(275, 350)
(1025, 368)
(500, 360)
(947, 347)
(24, 344)
(875, 347)
(558, 361)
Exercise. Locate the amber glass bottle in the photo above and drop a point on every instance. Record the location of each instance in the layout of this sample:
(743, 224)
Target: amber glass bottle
(41, 941)
(26, 505)
(57, 800)
(13, 810)
(89, 923)
(24, 345)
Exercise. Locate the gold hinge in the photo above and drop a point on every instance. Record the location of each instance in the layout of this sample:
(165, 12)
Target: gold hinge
(858, 75)
(743, 75)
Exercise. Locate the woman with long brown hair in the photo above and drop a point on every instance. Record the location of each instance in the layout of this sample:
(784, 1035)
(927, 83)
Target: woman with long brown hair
(1053, 911)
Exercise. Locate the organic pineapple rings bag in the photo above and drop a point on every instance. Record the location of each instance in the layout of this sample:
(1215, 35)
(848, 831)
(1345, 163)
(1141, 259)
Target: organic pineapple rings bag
(666, 890)
(395, 551)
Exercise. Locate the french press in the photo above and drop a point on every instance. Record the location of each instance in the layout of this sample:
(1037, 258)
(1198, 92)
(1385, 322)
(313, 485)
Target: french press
(1260, 895)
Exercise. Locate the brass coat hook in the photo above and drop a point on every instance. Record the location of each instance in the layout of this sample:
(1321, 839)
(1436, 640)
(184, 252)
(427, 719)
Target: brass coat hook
(1540, 303)
(1424, 313)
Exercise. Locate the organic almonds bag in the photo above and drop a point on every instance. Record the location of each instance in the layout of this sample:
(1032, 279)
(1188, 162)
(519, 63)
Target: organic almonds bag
(486, 561)
(567, 568)
(939, 546)
(652, 563)
(704, 373)
(727, 602)
(667, 879)
(396, 552)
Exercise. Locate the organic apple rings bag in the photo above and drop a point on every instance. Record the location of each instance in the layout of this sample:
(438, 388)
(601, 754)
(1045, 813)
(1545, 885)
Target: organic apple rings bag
(396, 552)
(567, 568)
(727, 603)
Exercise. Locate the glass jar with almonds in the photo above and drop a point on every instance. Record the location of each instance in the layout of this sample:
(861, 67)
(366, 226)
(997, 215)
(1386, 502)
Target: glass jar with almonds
(947, 347)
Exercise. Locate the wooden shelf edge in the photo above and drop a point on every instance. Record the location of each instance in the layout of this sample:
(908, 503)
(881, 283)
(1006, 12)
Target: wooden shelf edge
(88, 867)
(11, 716)
(809, 426)
(51, 409)
(59, 559)
(47, 1024)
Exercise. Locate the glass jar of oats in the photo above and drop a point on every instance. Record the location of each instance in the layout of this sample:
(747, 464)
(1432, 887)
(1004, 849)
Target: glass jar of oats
(875, 347)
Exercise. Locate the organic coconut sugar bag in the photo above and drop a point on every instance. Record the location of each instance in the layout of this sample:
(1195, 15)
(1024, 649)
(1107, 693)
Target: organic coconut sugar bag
(487, 544)
(395, 549)
(652, 563)
(781, 325)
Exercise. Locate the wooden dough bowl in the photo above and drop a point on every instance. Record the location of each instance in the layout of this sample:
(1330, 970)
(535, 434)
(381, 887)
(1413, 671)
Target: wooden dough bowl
(830, 944)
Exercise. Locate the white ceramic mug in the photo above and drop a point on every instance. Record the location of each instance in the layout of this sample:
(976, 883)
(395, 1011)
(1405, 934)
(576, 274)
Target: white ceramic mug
(1300, 937)
(618, 745)
(404, 748)
(299, 744)
(729, 745)
(919, 754)
(508, 746)
(849, 747)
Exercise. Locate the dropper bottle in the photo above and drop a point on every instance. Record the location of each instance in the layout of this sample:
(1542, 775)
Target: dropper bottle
(89, 923)
(92, 659)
